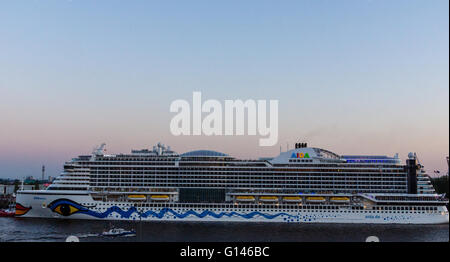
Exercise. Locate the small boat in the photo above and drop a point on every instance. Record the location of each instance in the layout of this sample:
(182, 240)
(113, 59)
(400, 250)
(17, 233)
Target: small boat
(118, 232)
(7, 213)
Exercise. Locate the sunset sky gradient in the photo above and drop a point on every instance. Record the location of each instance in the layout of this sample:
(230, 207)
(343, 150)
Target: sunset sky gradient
(351, 76)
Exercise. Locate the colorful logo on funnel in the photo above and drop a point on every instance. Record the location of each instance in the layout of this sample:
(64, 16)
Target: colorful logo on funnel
(21, 210)
(299, 155)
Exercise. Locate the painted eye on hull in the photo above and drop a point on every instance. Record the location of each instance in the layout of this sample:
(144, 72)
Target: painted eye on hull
(65, 209)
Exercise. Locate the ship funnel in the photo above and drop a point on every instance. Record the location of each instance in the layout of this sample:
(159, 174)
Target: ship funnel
(411, 169)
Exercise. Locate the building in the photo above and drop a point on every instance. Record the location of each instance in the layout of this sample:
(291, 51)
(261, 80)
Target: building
(6, 189)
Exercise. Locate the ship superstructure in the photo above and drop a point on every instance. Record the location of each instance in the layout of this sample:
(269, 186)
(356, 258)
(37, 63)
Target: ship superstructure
(305, 184)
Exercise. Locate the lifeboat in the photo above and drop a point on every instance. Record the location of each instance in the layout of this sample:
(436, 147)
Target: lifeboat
(315, 199)
(268, 199)
(292, 199)
(245, 198)
(340, 199)
(137, 197)
(160, 197)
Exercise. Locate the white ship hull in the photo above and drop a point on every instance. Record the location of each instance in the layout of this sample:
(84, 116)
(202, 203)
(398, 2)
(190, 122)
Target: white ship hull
(90, 209)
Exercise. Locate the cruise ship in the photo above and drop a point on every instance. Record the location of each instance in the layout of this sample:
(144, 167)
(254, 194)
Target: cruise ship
(302, 185)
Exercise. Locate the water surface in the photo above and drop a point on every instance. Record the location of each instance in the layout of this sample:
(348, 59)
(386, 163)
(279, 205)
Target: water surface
(34, 229)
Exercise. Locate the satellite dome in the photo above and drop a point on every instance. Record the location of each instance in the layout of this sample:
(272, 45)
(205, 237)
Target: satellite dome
(203, 153)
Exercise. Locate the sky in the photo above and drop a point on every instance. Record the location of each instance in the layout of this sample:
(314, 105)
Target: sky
(351, 76)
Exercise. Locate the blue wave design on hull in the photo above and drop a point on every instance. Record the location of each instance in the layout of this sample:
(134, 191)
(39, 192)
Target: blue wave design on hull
(128, 213)
(164, 211)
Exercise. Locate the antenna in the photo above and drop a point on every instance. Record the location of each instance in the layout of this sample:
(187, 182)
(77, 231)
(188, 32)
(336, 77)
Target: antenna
(99, 150)
(415, 156)
(447, 166)
(301, 145)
